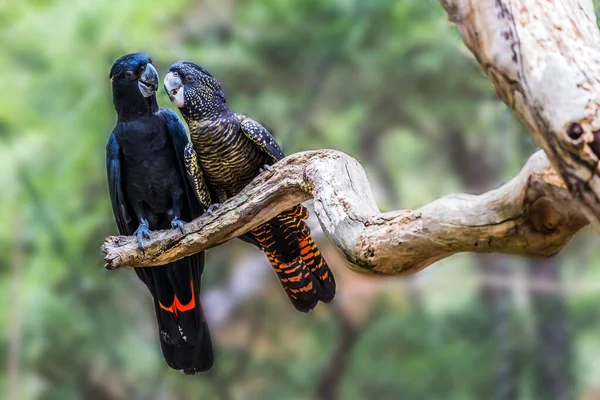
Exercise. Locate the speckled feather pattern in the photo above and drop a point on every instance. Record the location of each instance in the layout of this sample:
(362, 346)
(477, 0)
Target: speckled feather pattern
(196, 176)
(228, 152)
(228, 159)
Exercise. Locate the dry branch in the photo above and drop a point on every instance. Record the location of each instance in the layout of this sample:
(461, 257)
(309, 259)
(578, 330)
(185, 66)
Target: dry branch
(543, 57)
(532, 215)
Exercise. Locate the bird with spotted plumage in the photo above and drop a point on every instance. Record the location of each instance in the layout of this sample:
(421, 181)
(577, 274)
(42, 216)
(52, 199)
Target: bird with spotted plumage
(228, 150)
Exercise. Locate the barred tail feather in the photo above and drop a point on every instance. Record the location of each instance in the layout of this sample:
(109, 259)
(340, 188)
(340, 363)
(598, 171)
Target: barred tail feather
(300, 267)
(297, 281)
(318, 267)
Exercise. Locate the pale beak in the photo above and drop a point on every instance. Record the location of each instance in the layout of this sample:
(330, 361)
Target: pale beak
(174, 89)
(148, 82)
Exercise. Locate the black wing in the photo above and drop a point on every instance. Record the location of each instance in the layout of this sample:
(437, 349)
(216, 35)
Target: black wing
(261, 137)
(121, 209)
(180, 140)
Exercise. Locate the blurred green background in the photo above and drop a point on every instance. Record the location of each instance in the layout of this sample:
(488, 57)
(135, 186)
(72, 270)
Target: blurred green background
(387, 81)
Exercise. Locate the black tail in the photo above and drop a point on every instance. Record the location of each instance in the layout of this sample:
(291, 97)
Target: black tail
(300, 267)
(184, 335)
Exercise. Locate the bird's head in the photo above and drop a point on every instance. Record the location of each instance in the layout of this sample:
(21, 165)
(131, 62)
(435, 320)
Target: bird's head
(194, 91)
(134, 83)
(135, 71)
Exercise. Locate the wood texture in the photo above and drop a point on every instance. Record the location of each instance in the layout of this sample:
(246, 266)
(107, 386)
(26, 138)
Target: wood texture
(543, 58)
(532, 215)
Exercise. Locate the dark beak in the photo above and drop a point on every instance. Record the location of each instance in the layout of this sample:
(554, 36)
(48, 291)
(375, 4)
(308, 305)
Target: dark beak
(148, 82)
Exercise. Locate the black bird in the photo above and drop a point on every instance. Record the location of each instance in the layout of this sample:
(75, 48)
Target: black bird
(148, 191)
(227, 151)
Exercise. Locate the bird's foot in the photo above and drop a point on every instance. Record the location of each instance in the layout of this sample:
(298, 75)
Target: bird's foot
(212, 208)
(142, 232)
(177, 223)
(266, 167)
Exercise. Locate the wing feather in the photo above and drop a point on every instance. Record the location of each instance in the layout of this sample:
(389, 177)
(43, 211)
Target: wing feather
(120, 207)
(261, 137)
(180, 141)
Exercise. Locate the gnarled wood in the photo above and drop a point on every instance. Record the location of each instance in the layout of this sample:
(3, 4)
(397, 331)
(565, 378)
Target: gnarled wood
(531, 215)
(543, 57)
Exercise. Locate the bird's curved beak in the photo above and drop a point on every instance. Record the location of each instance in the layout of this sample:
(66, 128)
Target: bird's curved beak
(174, 89)
(148, 82)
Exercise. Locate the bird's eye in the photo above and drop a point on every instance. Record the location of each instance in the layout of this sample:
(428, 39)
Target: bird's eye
(189, 79)
(128, 74)
(175, 74)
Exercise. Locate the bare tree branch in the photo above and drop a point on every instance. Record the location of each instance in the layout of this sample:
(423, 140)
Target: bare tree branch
(543, 58)
(531, 215)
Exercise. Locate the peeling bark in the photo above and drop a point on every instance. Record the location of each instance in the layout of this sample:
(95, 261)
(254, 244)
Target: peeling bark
(532, 215)
(543, 58)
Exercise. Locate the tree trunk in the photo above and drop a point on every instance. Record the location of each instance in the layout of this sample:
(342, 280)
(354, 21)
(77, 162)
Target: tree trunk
(553, 352)
(543, 59)
(476, 174)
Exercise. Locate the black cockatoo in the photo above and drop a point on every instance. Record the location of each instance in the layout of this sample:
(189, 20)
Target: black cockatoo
(149, 190)
(227, 151)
